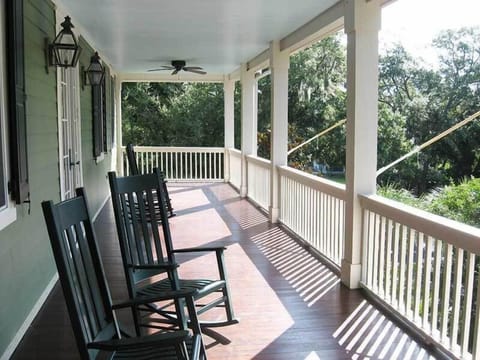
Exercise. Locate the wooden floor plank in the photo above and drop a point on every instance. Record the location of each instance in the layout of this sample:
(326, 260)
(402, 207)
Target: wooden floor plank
(289, 304)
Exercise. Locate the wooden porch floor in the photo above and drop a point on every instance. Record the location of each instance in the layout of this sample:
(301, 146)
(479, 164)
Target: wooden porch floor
(289, 304)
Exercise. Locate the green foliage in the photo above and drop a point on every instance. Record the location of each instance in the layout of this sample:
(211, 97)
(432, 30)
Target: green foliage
(393, 192)
(429, 102)
(173, 114)
(317, 100)
(459, 202)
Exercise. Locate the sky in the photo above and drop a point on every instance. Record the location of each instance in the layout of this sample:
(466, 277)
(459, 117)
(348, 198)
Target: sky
(414, 23)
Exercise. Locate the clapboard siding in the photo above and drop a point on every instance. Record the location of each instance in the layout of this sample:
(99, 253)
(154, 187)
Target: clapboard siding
(26, 263)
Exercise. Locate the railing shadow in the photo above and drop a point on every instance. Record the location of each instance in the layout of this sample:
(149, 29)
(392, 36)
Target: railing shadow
(360, 332)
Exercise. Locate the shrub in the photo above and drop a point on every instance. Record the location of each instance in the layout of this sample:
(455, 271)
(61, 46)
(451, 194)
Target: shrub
(459, 202)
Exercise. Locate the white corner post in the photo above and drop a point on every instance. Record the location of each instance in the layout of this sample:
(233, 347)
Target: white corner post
(249, 130)
(229, 119)
(118, 124)
(279, 64)
(362, 24)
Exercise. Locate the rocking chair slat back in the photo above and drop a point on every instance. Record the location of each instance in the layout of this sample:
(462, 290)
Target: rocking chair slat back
(80, 269)
(135, 199)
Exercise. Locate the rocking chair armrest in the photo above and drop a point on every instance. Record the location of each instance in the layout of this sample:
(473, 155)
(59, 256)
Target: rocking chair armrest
(164, 266)
(163, 339)
(200, 249)
(166, 295)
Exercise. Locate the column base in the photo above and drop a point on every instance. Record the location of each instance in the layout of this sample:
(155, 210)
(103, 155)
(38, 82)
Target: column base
(274, 214)
(243, 191)
(351, 274)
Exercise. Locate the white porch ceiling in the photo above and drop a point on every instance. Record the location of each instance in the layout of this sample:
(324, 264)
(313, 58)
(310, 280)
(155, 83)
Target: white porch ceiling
(219, 35)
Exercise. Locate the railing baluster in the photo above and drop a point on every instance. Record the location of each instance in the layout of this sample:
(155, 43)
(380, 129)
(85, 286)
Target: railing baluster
(457, 293)
(411, 244)
(162, 166)
(476, 329)
(446, 291)
(436, 284)
(418, 277)
(371, 248)
(381, 257)
(427, 280)
(394, 282)
(376, 251)
(467, 303)
(403, 270)
(388, 259)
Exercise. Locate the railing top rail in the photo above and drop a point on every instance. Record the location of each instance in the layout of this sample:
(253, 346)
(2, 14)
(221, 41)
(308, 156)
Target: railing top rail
(453, 232)
(326, 186)
(235, 152)
(258, 161)
(178, 149)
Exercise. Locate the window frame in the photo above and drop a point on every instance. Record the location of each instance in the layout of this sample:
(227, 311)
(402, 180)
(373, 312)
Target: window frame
(8, 212)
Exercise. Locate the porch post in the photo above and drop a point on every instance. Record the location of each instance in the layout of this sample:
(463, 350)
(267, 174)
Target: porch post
(362, 23)
(279, 63)
(118, 124)
(228, 95)
(249, 131)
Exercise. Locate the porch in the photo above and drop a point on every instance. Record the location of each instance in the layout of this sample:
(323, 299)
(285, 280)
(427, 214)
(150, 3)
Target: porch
(290, 305)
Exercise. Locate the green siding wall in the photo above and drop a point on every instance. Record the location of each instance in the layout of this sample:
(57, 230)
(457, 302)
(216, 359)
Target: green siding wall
(26, 261)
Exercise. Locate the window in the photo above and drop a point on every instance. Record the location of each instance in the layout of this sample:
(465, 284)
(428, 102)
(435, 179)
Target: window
(7, 207)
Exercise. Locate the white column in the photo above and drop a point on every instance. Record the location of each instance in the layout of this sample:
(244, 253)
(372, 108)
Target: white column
(118, 124)
(229, 106)
(279, 63)
(362, 23)
(249, 130)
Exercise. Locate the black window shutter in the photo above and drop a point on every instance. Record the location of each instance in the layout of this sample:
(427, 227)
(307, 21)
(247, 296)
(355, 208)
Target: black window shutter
(112, 111)
(16, 94)
(105, 114)
(97, 104)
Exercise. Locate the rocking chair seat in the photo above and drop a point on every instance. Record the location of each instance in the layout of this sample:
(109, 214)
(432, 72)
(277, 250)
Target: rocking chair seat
(132, 348)
(201, 287)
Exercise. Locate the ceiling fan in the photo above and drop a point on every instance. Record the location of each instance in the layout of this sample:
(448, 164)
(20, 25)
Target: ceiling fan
(178, 65)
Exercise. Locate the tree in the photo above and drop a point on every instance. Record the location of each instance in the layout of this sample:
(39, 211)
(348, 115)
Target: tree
(317, 100)
(173, 114)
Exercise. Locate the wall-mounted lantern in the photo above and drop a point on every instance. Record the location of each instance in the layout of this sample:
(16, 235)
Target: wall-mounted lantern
(64, 50)
(95, 71)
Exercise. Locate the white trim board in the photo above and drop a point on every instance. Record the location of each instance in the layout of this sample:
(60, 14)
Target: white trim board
(28, 321)
(99, 209)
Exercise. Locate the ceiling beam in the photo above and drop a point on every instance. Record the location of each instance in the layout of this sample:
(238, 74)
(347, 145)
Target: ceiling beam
(260, 61)
(328, 22)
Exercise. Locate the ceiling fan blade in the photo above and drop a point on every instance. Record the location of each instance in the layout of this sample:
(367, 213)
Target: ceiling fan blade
(195, 71)
(164, 67)
(175, 72)
(188, 68)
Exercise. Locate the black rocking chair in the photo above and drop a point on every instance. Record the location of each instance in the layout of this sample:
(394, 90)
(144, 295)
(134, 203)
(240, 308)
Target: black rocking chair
(88, 299)
(147, 252)
(133, 167)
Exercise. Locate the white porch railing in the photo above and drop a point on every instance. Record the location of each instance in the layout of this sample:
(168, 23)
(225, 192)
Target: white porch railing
(180, 163)
(425, 267)
(314, 208)
(258, 182)
(235, 163)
